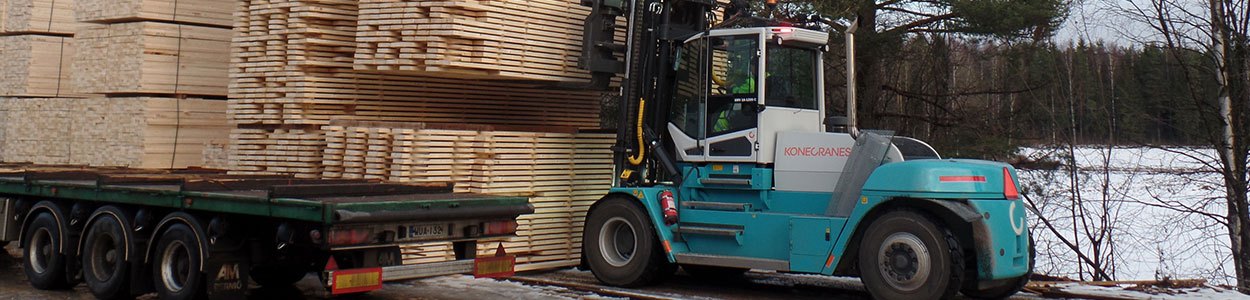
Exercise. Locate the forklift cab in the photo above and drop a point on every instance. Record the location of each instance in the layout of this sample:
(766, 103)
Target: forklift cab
(737, 88)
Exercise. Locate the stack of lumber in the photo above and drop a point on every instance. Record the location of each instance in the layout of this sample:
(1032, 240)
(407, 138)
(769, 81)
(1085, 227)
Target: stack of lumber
(203, 12)
(490, 39)
(296, 152)
(151, 58)
(293, 64)
(35, 66)
(47, 17)
(139, 132)
(561, 173)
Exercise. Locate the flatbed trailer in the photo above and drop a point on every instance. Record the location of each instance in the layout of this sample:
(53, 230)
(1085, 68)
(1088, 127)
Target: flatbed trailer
(187, 233)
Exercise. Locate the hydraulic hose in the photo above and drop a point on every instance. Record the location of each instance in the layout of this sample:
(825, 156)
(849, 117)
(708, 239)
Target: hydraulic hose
(642, 146)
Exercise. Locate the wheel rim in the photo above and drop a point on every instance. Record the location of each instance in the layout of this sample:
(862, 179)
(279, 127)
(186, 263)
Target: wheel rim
(175, 266)
(904, 261)
(617, 242)
(40, 250)
(104, 258)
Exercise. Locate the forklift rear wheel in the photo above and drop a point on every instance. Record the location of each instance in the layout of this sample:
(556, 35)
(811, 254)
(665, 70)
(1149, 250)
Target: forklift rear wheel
(105, 269)
(621, 247)
(44, 263)
(905, 255)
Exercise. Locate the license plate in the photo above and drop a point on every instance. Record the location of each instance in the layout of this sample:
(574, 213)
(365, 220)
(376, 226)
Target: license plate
(494, 267)
(421, 232)
(356, 281)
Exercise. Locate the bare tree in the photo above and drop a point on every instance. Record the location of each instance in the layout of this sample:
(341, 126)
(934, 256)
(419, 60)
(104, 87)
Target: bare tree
(1218, 29)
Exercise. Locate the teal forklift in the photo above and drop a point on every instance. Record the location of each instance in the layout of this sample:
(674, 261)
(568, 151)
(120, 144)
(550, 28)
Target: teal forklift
(726, 162)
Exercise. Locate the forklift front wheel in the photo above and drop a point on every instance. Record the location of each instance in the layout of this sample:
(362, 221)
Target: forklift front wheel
(621, 247)
(905, 255)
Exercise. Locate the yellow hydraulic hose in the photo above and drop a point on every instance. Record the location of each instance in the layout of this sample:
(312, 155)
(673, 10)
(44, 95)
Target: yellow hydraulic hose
(642, 146)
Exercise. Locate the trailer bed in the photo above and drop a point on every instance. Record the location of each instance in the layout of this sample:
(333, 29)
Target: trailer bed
(326, 201)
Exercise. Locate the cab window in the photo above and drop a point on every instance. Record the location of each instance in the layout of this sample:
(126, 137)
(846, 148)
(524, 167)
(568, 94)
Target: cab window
(791, 77)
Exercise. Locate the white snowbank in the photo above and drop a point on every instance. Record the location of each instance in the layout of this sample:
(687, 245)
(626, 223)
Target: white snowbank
(1159, 213)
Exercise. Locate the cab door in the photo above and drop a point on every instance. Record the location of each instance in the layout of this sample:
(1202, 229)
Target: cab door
(733, 101)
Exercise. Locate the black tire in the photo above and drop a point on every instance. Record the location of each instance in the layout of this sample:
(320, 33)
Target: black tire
(1010, 288)
(714, 273)
(105, 269)
(618, 223)
(896, 237)
(44, 264)
(176, 265)
(277, 275)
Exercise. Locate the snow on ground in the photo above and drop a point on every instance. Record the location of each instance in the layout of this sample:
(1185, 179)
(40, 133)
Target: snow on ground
(1201, 293)
(1153, 213)
(468, 287)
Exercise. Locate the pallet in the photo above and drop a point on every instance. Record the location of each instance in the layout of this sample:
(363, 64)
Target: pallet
(151, 58)
(47, 17)
(36, 66)
(141, 132)
(216, 13)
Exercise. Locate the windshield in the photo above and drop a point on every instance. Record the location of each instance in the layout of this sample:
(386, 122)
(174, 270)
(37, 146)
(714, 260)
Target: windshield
(791, 77)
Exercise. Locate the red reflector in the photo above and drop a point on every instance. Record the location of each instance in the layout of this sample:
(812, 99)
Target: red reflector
(331, 264)
(962, 179)
(1009, 186)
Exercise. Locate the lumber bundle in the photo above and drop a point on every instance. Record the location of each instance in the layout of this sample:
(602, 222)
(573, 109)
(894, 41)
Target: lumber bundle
(49, 17)
(131, 132)
(296, 152)
(35, 66)
(494, 40)
(561, 173)
(203, 12)
(293, 62)
(151, 58)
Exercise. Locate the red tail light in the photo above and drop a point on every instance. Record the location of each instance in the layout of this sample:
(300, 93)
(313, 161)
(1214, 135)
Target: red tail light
(669, 205)
(354, 236)
(1009, 186)
(500, 227)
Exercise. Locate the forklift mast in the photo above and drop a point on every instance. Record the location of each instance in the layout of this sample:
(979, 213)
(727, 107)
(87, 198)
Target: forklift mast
(655, 30)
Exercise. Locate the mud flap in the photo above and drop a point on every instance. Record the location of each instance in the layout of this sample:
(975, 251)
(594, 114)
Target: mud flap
(226, 277)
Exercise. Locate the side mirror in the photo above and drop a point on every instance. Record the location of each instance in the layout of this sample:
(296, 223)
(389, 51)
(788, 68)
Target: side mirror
(838, 124)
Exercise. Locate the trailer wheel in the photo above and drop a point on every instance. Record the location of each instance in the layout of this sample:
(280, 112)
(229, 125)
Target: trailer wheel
(621, 246)
(905, 255)
(43, 263)
(176, 271)
(105, 269)
(277, 275)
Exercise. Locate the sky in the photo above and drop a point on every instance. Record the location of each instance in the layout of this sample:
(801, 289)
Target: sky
(1112, 21)
(1094, 20)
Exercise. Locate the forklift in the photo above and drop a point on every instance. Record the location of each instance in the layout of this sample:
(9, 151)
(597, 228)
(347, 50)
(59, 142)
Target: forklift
(726, 162)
